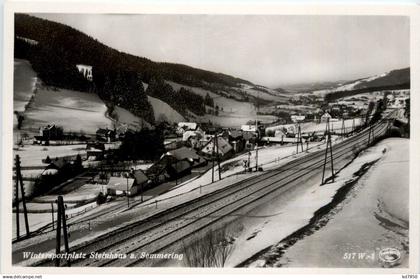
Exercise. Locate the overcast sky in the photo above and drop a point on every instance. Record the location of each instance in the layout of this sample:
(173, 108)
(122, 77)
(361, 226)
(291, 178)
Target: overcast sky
(268, 50)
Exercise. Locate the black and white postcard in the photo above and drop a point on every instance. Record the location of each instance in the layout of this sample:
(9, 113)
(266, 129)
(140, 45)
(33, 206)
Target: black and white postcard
(240, 137)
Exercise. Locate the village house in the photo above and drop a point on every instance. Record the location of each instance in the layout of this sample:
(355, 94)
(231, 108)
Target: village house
(192, 138)
(118, 186)
(222, 148)
(236, 139)
(105, 135)
(49, 132)
(141, 181)
(187, 154)
(187, 126)
(95, 151)
(249, 128)
(174, 164)
(325, 117)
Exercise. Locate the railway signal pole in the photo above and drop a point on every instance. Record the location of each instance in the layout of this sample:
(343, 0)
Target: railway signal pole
(329, 146)
(61, 221)
(19, 184)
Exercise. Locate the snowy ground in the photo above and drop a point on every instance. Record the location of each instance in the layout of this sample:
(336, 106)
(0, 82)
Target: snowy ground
(32, 155)
(308, 127)
(68, 109)
(373, 209)
(85, 193)
(24, 82)
(268, 157)
(233, 113)
(163, 111)
(39, 220)
(376, 215)
(126, 117)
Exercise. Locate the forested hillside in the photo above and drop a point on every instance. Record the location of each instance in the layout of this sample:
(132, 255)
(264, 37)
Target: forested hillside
(117, 76)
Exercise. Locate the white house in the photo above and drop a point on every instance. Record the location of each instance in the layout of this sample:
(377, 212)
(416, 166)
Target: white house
(325, 117)
(85, 70)
(187, 126)
(297, 118)
(249, 128)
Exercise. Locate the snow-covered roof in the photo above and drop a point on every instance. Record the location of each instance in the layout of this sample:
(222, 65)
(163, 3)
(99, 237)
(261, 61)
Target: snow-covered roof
(120, 183)
(140, 177)
(189, 134)
(326, 115)
(248, 128)
(222, 144)
(189, 125)
(184, 153)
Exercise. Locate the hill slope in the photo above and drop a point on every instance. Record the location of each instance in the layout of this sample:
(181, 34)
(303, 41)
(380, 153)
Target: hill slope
(393, 80)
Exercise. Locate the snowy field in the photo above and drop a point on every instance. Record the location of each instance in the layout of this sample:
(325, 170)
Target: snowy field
(32, 155)
(126, 117)
(234, 113)
(325, 247)
(24, 84)
(74, 111)
(39, 220)
(377, 215)
(86, 193)
(309, 127)
(163, 111)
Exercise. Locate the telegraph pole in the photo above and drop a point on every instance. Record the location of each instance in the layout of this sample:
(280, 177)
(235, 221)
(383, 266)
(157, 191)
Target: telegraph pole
(17, 200)
(343, 128)
(19, 184)
(212, 157)
(258, 135)
(329, 146)
(52, 215)
(217, 157)
(299, 139)
(61, 221)
(126, 192)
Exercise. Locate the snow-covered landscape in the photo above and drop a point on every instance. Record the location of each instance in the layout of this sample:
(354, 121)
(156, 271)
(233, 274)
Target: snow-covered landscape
(257, 160)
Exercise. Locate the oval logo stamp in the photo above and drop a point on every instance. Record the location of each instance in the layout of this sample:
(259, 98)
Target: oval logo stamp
(389, 255)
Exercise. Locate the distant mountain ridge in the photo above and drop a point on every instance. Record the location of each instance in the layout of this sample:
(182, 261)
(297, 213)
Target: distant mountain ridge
(395, 79)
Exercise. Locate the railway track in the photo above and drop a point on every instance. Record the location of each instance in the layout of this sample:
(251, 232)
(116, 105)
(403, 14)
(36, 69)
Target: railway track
(165, 228)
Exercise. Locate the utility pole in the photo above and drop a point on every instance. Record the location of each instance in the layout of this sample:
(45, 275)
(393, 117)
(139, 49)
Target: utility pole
(19, 184)
(52, 215)
(353, 127)
(212, 157)
(343, 128)
(299, 139)
(61, 221)
(329, 146)
(176, 174)
(217, 156)
(128, 198)
(258, 134)
(17, 200)
(370, 138)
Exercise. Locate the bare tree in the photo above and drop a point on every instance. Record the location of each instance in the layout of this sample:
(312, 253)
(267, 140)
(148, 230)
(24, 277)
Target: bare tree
(211, 250)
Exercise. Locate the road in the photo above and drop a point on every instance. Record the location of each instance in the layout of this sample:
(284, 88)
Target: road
(164, 229)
